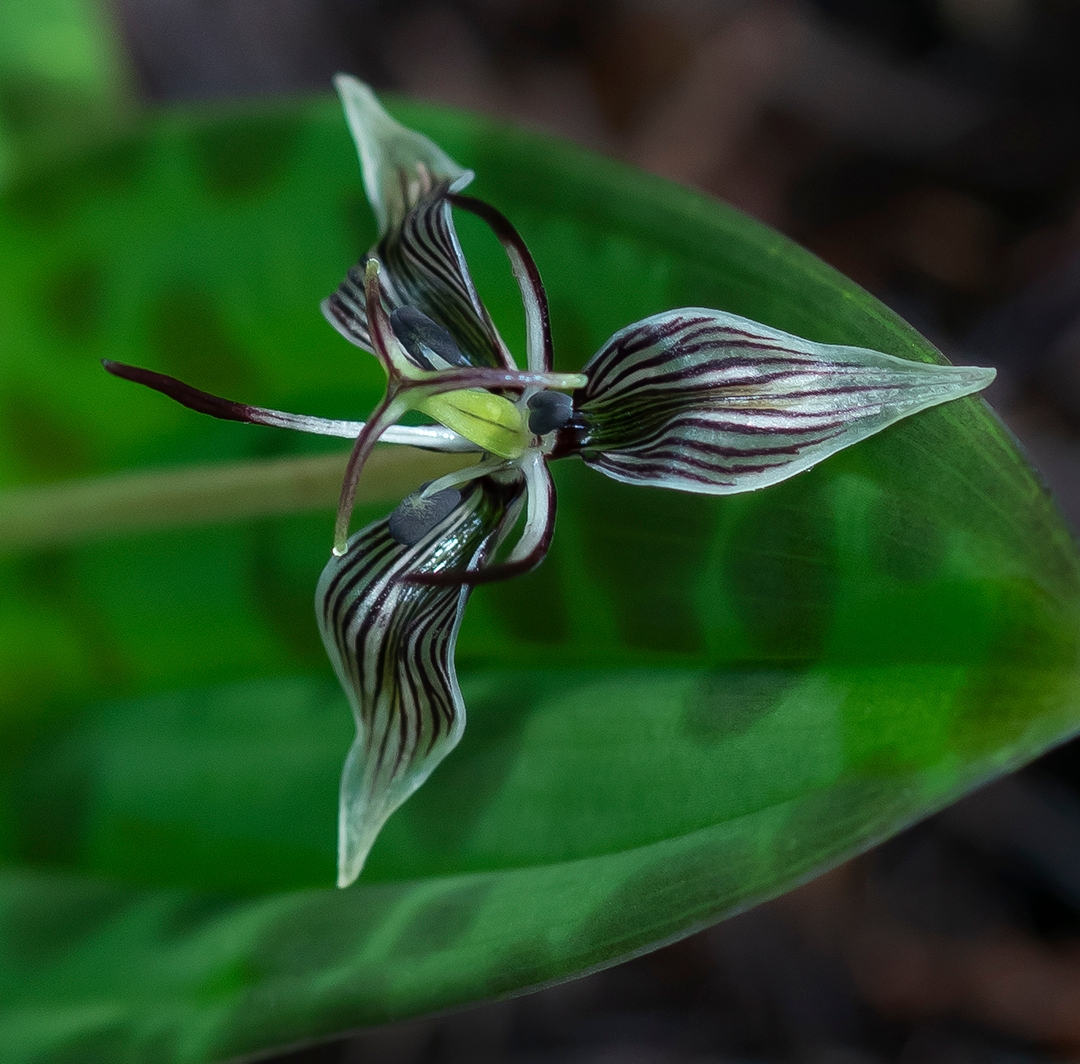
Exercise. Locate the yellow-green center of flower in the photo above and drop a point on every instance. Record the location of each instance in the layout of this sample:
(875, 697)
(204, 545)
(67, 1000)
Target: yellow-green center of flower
(490, 421)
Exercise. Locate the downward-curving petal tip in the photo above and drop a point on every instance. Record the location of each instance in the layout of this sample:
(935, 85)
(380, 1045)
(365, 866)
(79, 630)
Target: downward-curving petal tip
(399, 164)
(391, 642)
(363, 812)
(359, 819)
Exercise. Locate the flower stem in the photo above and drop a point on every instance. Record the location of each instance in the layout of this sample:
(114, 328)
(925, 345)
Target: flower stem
(44, 516)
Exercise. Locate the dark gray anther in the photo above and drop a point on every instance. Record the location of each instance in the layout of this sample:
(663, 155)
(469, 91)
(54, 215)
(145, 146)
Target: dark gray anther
(415, 517)
(549, 411)
(422, 337)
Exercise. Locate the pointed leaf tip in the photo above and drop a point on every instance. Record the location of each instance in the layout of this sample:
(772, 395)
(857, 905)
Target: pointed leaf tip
(706, 401)
(399, 164)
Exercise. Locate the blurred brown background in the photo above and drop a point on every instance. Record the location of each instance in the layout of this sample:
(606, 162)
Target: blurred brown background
(931, 150)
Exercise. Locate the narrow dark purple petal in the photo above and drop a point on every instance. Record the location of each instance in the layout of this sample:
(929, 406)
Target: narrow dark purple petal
(382, 418)
(203, 402)
(391, 641)
(704, 401)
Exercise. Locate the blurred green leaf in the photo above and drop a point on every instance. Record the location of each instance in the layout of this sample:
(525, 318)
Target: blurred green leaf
(63, 81)
(694, 703)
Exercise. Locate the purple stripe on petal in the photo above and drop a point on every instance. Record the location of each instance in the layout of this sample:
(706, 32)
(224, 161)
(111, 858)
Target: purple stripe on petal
(391, 641)
(423, 267)
(690, 399)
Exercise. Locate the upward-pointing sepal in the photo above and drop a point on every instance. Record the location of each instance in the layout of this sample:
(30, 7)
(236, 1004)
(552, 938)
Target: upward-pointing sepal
(705, 401)
(408, 180)
(423, 272)
(399, 164)
(391, 640)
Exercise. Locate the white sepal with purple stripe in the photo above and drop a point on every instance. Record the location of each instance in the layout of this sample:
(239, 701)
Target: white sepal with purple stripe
(706, 401)
(398, 164)
(422, 267)
(391, 640)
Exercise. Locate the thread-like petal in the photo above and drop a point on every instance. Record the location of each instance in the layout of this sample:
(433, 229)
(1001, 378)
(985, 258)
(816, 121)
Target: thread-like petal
(705, 401)
(431, 437)
(391, 641)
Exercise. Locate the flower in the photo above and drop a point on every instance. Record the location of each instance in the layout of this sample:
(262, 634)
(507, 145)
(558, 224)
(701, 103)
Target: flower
(694, 400)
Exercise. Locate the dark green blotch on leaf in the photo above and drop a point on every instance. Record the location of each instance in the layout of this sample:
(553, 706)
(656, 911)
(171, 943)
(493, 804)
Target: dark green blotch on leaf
(247, 156)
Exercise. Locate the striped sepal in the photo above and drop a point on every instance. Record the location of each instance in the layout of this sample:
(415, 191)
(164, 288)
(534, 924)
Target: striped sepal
(424, 268)
(391, 641)
(398, 164)
(704, 401)
(346, 308)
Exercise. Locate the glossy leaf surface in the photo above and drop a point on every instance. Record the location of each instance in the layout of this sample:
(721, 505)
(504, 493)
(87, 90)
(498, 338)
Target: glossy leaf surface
(692, 705)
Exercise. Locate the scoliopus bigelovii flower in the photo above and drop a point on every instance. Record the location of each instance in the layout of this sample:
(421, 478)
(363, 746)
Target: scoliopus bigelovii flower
(693, 399)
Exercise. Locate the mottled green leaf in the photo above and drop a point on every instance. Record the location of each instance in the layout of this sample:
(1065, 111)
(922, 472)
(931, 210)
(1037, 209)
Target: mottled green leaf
(693, 704)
